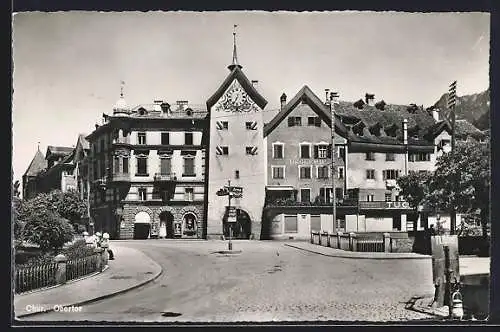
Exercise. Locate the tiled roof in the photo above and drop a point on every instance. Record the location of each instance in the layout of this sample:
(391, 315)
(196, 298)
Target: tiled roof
(154, 111)
(305, 95)
(391, 117)
(38, 163)
(84, 142)
(465, 128)
(237, 73)
(58, 150)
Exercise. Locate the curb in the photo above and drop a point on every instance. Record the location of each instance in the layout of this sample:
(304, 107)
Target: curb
(102, 297)
(339, 255)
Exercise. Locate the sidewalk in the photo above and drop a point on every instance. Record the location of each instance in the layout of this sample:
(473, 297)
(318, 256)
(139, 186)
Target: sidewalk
(130, 269)
(332, 252)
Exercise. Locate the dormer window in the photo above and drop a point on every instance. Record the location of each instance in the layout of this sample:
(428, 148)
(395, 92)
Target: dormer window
(189, 112)
(142, 111)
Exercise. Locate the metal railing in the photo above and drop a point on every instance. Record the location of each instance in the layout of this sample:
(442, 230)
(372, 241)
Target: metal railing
(30, 277)
(165, 177)
(79, 267)
(370, 245)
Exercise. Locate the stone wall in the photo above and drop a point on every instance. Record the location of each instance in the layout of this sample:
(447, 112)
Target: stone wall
(130, 210)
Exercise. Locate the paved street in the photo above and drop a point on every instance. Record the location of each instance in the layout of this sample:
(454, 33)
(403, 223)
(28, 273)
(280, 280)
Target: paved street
(266, 282)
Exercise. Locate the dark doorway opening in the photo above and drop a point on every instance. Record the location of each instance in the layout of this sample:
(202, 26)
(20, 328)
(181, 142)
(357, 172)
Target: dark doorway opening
(141, 231)
(241, 229)
(167, 221)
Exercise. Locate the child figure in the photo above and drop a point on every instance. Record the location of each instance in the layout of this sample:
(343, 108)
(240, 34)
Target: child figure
(105, 245)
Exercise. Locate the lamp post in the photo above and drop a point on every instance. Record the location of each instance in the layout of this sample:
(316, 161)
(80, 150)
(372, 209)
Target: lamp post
(333, 99)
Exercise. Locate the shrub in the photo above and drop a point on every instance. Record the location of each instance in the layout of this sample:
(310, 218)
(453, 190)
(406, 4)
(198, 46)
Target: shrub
(77, 250)
(49, 230)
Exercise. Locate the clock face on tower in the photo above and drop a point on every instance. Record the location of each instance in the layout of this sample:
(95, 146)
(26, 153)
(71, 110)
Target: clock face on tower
(236, 100)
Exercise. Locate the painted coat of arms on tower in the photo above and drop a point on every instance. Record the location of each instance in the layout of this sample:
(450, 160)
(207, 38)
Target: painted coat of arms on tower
(236, 100)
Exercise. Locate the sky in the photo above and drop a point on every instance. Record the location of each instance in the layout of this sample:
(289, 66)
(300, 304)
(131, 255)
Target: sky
(68, 65)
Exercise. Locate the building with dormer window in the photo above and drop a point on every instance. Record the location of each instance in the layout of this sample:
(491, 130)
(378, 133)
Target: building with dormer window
(146, 167)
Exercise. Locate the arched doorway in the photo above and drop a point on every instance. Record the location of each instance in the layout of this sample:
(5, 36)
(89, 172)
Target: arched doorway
(189, 222)
(166, 225)
(142, 225)
(242, 228)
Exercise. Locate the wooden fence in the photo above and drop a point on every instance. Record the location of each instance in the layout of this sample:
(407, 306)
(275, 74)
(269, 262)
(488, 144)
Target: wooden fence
(30, 277)
(79, 267)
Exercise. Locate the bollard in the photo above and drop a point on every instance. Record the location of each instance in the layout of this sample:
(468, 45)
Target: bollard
(329, 239)
(312, 241)
(100, 260)
(387, 242)
(353, 242)
(339, 236)
(61, 268)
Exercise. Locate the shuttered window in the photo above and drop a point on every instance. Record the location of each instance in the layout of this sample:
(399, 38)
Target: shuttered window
(165, 166)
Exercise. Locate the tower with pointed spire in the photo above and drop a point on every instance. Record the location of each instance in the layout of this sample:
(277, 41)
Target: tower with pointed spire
(235, 153)
(235, 63)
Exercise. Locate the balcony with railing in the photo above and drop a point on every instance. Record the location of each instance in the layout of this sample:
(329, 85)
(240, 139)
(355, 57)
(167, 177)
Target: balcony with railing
(121, 140)
(165, 177)
(290, 202)
(119, 177)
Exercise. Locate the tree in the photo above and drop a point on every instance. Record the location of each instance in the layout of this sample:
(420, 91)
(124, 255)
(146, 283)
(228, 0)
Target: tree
(462, 181)
(414, 187)
(69, 205)
(48, 230)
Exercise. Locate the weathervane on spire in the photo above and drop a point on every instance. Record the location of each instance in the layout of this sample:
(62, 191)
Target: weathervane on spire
(235, 56)
(122, 84)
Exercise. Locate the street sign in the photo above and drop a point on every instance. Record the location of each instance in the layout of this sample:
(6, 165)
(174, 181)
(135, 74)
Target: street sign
(236, 192)
(231, 214)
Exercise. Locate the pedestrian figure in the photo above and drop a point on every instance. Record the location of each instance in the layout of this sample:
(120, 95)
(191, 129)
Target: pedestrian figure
(105, 245)
(97, 240)
(432, 231)
(89, 240)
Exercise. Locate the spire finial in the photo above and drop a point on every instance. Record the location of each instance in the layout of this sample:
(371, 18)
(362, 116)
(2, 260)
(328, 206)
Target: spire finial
(235, 55)
(38, 145)
(122, 83)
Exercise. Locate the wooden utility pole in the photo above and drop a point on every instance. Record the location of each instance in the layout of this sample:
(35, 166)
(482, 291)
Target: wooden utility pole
(451, 105)
(230, 244)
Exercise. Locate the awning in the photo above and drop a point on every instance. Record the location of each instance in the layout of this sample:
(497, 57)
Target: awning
(276, 188)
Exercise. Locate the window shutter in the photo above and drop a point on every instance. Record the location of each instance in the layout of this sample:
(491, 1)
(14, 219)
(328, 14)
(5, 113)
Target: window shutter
(254, 125)
(218, 150)
(329, 151)
(317, 122)
(290, 122)
(316, 152)
(384, 174)
(253, 151)
(219, 125)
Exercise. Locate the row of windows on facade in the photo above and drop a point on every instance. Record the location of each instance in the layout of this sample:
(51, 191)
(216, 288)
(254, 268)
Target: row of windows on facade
(121, 166)
(325, 194)
(143, 195)
(141, 140)
(296, 121)
(319, 151)
(305, 172)
(224, 150)
(420, 156)
(224, 125)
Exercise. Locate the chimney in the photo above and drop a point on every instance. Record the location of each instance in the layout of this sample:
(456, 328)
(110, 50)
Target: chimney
(283, 100)
(435, 114)
(327, 96)
(369, 99)
(405, 131)
(255, 84)
(182, 104)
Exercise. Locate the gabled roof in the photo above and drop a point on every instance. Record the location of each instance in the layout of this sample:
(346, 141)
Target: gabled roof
(237, 74)
(83, 141)
(58, 150)
(465, 128)
(38, 163)
(306, 95)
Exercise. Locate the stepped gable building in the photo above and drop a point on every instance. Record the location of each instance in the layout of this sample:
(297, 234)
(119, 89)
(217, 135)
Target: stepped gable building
(237, 154)
(146, 168)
